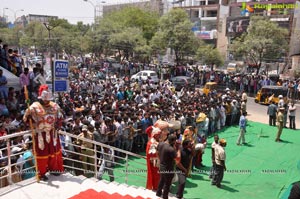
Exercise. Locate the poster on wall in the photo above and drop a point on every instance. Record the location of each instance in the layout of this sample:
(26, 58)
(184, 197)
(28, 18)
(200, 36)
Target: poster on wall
(235, 26)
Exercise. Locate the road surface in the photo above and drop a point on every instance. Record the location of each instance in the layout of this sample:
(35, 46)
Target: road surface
(258, 113)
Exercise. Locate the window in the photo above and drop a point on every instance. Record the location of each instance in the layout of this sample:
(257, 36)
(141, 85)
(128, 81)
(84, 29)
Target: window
(212, 13)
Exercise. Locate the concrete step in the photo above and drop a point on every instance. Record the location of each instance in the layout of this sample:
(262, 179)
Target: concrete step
(67, 185)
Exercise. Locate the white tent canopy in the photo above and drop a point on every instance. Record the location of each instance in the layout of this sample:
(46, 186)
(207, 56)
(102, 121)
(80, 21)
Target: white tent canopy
(12, 80)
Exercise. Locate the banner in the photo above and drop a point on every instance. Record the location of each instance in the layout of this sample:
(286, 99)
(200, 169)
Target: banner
(235, 26)
(206, 35)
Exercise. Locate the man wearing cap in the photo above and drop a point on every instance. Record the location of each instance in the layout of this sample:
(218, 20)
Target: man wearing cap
(46, 117)
(220, 157)
(86, 148)
(279, 124)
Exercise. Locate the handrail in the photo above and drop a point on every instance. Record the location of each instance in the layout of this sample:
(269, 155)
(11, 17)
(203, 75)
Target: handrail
(124, 172)
(15, 135)
(102, 145)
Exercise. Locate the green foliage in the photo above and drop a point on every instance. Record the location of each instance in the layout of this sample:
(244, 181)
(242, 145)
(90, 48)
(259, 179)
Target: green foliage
(127, 40)
(210, 56)
(264, 41)
(35, 35)
(131, 17)
(6, 35)
(128, 30)
(175, 33)
(3, 24)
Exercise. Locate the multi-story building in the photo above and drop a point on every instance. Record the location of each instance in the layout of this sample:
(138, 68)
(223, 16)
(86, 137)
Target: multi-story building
(284, 12)
(204, 15)
(220, 21)
(154, 5)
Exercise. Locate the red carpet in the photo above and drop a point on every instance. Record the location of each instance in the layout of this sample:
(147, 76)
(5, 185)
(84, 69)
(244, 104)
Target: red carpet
(92, 194)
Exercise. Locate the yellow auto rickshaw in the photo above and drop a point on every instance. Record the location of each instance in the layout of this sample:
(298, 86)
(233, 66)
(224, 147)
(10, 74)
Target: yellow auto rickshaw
(267, 94)
(209, 86)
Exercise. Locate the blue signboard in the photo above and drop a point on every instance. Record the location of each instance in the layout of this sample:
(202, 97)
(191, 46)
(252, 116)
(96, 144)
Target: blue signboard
(61, 69)
(60, 86)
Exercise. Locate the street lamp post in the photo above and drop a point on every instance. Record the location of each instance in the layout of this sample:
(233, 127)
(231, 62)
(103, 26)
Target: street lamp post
(21, 10)
(94, 6)
(15, 12)
(49, 28)
(3, 12)
(95, 10)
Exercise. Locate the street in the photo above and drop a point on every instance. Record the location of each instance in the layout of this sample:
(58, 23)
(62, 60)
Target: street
(258, 113)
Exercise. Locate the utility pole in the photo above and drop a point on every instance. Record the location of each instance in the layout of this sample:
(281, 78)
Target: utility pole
(49, 28)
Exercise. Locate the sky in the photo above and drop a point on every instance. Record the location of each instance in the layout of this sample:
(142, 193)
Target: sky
(72, 10)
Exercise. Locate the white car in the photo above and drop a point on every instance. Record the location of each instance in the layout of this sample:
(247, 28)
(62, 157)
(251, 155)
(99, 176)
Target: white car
(145, 75)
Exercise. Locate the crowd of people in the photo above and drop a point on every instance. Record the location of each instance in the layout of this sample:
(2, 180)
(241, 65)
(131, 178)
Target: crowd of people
(117, 112)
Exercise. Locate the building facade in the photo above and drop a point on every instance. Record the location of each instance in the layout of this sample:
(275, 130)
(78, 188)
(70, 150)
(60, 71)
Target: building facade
(219, 22)
(153, 5)
(204, 14)
(285, 13)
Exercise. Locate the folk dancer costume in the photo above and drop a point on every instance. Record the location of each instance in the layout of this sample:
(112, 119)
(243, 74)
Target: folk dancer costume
(156, 133)
(46, 116)
(152, 158)
(164, 127)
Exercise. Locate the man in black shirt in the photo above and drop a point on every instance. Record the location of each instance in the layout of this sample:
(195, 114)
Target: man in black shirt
(183, 164)
(167, 153)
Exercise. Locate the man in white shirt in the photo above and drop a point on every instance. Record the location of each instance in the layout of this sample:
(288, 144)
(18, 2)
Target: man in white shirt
(244, 96)
(213, 146)
(292, 115)
(281, 101)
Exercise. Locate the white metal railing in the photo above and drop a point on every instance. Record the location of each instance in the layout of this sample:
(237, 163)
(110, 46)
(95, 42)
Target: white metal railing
(123, 166)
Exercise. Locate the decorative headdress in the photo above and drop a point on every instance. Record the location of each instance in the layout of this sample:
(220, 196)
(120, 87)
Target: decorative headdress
(44, 93)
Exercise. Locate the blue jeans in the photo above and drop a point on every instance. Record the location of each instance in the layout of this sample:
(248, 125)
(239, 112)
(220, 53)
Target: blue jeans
(3, 92)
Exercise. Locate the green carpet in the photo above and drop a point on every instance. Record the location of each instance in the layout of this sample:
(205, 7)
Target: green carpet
(262, 169)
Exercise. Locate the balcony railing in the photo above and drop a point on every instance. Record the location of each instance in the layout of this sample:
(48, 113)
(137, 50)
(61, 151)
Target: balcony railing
(124, 161)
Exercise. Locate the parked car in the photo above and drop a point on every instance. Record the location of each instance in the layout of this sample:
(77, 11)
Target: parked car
(37, 59)
(182, 81)
(145, 75)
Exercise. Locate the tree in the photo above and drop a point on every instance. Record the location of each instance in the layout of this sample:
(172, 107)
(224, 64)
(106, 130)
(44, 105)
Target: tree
(175, 32)
(124, 29)
(264, 41)
(210, 56)
(127, 41)
(35, 35)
